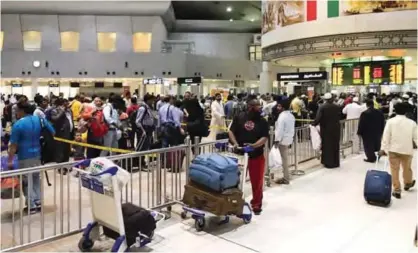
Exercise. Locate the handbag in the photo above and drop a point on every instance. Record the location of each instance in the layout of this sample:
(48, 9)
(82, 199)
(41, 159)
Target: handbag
(7, 186)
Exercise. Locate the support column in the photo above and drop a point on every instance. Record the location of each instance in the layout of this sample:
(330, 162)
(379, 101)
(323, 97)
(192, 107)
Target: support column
(34, 88)
(266, 78)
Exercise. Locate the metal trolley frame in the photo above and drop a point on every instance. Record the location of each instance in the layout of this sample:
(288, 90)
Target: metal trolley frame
(199, 215)
(107, 198)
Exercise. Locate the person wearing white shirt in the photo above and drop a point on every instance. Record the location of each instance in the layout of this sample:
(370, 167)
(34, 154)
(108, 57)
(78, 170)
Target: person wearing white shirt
(284, 134)
(353, 112)
(392, 103)
(397, 142)
(218, 116)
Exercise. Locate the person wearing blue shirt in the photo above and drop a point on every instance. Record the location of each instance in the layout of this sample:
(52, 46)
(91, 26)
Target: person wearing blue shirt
(25, 141)
(229, 106)
(170, 118)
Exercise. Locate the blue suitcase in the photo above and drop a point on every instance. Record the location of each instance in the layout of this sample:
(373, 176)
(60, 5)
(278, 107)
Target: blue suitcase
(378, 187)
(215, 172)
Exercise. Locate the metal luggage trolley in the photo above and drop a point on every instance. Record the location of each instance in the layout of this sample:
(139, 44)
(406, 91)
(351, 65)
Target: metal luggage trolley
(107, 198)
(200, 215)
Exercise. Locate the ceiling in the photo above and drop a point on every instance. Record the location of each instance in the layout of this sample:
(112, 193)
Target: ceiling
(217, 10)
(326, 59)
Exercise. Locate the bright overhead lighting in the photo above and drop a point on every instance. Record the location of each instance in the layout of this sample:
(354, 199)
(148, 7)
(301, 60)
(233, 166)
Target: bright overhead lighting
(229, 9)
(252, 20)
(230, 20)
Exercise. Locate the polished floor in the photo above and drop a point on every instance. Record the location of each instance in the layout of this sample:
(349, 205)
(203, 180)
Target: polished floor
(323, 211)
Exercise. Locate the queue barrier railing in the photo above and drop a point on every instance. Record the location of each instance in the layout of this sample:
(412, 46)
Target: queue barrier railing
(156, 181)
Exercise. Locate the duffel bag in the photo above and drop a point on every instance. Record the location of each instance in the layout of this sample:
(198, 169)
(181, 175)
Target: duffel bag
(217, 162)
(213, 179)
(136, 219)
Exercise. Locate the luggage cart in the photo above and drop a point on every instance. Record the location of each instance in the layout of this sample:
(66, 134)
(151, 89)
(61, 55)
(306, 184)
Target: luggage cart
(107, 198)
(200, 215)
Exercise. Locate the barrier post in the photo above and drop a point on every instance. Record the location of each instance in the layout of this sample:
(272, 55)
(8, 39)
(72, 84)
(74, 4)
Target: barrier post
(297, 172)
(267, 175)
(188, 161)
(195, 146)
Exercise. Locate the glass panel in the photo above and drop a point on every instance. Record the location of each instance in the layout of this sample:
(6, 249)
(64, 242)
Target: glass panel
(258, 49)
(142, 42)
(258, 56)
(32, 41)
(1, 40)
(252, 57)
(106, 42)
(252, 49)
(70, 41)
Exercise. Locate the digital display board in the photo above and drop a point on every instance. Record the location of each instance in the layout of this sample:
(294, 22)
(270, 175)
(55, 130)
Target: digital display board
(368, 73)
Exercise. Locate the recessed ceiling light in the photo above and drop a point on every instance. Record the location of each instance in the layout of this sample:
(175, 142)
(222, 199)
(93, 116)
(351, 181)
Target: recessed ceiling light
(252, 20)
(229, 9)
(230, 20)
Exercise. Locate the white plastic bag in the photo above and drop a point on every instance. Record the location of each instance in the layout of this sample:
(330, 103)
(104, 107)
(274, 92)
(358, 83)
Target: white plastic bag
(315, 137)
(101, 164)
(275, 159)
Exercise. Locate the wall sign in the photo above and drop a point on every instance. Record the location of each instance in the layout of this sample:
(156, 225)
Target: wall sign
(189, 80)
(53, 85)
(320, 75)
(153, 81)
(16, 85)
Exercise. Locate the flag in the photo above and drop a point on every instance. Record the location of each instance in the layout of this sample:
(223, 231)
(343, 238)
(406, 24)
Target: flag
(333, 8)
(311, 10)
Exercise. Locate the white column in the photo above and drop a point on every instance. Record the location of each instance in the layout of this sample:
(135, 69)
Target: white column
(34, 88)
(266, 79)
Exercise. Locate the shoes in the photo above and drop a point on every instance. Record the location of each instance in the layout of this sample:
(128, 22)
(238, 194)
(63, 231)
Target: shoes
(409, 186)
(257, 211)
(282, 181)
(32, 210)
(368, 161)
(396, 195)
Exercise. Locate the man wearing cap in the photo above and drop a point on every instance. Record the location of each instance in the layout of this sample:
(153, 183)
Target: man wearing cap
(353, 111)
(370, 129)
(328, 118)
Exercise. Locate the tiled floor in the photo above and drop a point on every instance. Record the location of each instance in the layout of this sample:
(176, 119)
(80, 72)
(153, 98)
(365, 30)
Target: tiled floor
(323, 211)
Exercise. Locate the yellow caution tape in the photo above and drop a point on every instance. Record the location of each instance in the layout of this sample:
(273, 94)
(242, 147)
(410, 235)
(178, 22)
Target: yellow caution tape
(116, 150)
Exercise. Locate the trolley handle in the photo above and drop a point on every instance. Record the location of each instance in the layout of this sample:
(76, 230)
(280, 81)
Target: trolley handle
(245, 149)
(112, 171)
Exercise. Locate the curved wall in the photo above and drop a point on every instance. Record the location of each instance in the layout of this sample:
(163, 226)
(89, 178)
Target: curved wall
(324, 26)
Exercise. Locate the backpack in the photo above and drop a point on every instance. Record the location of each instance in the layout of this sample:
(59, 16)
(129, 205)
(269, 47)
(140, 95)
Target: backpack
(238, 108)
(47, 143)
(98, 126)
(132, 118)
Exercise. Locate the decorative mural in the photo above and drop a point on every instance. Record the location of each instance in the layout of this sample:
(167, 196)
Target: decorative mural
(353, 7)
(282, 13)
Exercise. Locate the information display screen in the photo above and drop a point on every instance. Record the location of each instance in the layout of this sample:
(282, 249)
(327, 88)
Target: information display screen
(368, 73)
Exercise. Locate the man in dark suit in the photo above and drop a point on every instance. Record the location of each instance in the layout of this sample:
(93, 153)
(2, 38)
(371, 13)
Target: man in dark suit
(370, 129)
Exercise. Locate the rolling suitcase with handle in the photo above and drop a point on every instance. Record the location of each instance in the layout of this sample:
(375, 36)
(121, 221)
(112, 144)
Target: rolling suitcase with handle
(378, 186)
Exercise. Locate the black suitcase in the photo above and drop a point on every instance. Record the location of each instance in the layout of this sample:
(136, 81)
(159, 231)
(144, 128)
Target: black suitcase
(136, 219)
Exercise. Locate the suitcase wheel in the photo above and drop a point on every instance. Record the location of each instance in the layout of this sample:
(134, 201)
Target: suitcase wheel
(247, 218)
(85, 245)
(199, 224)
(183, 215)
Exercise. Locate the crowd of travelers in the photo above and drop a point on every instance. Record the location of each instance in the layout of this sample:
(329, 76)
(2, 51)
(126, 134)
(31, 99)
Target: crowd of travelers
(132, 123)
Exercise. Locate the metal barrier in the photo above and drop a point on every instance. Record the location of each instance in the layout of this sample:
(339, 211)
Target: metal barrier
(157, 181)
(64, 206)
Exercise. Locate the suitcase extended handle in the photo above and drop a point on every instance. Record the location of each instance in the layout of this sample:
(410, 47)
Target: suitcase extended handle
(386, 162)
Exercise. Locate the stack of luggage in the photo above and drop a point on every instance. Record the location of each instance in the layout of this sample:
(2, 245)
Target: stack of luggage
(213, 185)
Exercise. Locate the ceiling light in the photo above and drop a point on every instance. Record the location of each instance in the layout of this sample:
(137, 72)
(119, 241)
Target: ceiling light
(229, 9)
(230, 20)
(252, 20)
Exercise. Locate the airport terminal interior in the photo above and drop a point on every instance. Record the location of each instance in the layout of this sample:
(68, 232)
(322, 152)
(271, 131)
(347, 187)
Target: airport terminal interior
(363, 54)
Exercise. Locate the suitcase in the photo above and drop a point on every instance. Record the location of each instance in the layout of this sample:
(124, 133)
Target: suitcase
(230, 202)
(214, 171)
(173, 160)
(136, 219)
(378, 186)
(213, 179)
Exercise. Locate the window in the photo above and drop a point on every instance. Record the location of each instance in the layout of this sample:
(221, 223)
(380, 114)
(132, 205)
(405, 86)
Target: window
(70, 41)
(106, 42)
(255, 53)
(142, 42)
(32, 41)
(1, 40)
